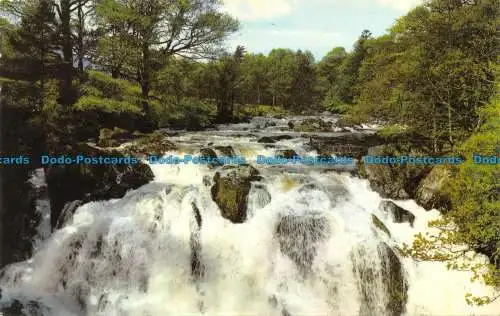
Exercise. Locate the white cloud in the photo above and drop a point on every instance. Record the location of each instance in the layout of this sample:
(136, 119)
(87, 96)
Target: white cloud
(251, 10)
(400, 5)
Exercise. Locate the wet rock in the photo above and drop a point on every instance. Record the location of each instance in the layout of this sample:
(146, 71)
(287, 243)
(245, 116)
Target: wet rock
(67, 212)
(197, 268)
(286, 153)
(383, 270)
(431, 192)
(392, 181)
(353, 145)
(396, 283)
(398, 214)
(266, 140)
(291, 125)
(156, 144)
(261, 197)
(92, 182)
(313, 125)
(208, 153)
(269, 124)
(207, 181)
(281, 137)
(230, 190)
(380, 225)
(226, 151)
(19, 217)
(299, 237)
(17, 308)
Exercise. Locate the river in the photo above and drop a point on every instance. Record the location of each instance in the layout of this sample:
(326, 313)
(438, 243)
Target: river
(132, 256)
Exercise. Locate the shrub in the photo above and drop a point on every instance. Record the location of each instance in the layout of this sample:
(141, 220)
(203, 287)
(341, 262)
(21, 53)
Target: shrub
(189, 113)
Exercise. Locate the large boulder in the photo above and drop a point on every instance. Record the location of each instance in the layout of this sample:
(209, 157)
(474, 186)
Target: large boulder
(392, 181)
(92, 182)
(299, 237)
(230, 190)
(431, 191)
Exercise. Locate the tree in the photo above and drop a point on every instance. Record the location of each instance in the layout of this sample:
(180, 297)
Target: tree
(350, 69)
(304, 79)
(255, 76)
(228, 84)
(280, 74)
(189, 28)
(472, 222)
(33, 45)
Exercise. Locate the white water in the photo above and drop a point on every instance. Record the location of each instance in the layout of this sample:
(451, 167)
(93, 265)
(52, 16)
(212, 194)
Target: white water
(134, 253)
(42, 205)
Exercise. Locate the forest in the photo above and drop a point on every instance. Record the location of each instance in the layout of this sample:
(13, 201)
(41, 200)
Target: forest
(70, 68)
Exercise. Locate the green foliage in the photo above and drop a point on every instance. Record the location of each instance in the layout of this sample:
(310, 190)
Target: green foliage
(190, 113)
(101, 93)
(333, 103)
(391, 131)
(427, 75)
(261, 110)
(96, 104)
(472, 223)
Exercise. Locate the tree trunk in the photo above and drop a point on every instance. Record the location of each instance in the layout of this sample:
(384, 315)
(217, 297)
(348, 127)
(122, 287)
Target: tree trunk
(434, 129)
(145, 77)
(67, 49)
(81, 31)
(258, 93)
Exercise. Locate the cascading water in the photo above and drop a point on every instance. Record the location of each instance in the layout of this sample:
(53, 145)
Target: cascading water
(308, 247)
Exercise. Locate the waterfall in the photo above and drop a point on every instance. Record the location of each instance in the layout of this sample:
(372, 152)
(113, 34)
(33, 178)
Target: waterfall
(42, 205)
(308, 247)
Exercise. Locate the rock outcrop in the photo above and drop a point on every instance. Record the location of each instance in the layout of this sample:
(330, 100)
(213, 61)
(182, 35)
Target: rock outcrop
(230, 190)
(392, 181)
(88, 182)
(397, 213)
(431, 191)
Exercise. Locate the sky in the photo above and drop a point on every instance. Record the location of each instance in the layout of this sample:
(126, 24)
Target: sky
(314, 25)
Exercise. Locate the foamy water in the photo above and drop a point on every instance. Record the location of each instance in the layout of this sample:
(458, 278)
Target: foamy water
(132, 256)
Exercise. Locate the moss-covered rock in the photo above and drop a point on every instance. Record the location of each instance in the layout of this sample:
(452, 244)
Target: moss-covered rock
(230, 190)
(92, 182)
(398, 214)
(431, 192)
